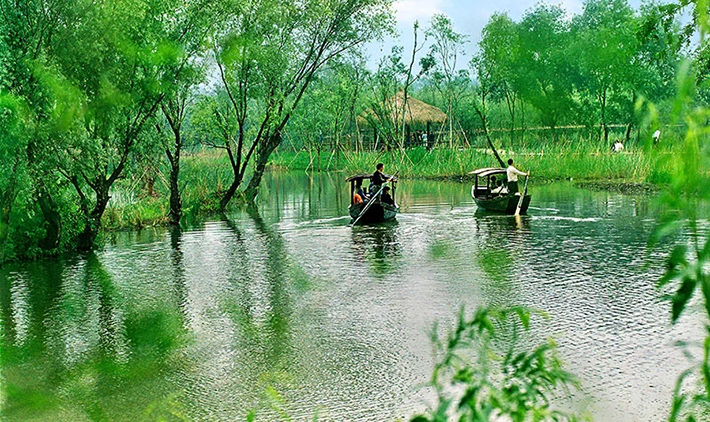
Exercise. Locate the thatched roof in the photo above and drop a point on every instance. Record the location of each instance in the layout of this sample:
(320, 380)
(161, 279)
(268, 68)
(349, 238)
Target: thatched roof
(417, 111)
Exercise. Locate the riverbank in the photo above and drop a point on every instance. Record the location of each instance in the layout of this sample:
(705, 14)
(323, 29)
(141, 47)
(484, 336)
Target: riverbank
(142, 201)
(632, 172)
(557, 163)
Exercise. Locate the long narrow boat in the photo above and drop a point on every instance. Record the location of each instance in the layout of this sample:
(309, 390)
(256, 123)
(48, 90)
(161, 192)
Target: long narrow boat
(491, 196)
(375, 211)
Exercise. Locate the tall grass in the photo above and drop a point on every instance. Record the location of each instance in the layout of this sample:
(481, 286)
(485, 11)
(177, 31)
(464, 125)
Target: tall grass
(579, 161)
(205, 175)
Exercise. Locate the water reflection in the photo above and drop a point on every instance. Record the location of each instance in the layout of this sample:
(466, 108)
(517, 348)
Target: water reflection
(377, 246)
(84, 345)
(199, 324)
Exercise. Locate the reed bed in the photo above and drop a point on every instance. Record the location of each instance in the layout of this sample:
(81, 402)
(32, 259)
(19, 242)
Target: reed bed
(205, 175)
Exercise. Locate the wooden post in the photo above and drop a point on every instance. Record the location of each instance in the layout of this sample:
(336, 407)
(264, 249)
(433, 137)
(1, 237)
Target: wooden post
(408, 139)
(429, 141)
(374, 138)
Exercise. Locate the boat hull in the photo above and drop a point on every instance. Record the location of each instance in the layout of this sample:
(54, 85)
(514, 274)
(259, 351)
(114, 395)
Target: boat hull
(506, 204)
(377, 213)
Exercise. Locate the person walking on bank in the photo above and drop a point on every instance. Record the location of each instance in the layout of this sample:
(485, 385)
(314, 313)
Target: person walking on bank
(512, 174)
(378, 178)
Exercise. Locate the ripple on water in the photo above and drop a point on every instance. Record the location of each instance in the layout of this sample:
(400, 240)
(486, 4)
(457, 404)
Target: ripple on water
(335, 320)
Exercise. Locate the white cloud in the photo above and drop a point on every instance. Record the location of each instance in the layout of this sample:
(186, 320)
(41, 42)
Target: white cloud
(410, 10)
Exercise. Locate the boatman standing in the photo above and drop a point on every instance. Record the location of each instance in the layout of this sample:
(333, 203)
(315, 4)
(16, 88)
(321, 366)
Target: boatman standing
(512, 174)
(378, 178)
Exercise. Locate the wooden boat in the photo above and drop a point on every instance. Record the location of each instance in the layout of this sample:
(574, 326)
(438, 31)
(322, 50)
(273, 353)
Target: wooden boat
(371, 210)
(493, 197)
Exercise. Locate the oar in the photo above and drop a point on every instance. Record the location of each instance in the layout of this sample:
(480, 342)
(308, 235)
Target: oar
(522, 197)
(367, 207)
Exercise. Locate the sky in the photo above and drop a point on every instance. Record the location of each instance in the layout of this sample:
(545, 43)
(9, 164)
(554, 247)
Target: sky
(469, 17)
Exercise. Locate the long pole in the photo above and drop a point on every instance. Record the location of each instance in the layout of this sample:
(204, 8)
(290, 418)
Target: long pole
(522, 197)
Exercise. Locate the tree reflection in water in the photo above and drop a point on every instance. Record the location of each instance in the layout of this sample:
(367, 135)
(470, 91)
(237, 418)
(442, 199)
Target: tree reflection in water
(502, 248)
(378, 246)
(72, 344)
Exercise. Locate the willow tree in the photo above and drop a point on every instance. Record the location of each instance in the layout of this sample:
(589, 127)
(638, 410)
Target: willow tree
(268, 55)
(190, 29)
(27, 33)
(446, 47)
(121, 57)
(13, 144)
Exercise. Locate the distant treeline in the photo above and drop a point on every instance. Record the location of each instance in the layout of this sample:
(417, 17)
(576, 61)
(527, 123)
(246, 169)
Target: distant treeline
(599, 71)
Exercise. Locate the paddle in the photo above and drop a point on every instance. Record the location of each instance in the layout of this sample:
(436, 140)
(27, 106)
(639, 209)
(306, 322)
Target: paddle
(522, 197)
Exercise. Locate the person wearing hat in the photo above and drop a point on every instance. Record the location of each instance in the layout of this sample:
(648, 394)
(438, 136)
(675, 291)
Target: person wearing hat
(386, 197)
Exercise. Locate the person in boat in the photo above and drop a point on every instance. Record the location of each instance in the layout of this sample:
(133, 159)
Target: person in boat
(499, 189)
(378, 178)
(359, 193)
(512, 175)
(386, 197)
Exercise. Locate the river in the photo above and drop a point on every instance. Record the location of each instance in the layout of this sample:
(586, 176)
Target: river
(286, 310)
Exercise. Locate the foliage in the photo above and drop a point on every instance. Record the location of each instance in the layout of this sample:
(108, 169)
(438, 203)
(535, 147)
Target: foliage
(682, 225)
(482, 373)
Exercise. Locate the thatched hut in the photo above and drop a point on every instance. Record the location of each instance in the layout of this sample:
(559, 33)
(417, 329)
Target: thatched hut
(385, 121)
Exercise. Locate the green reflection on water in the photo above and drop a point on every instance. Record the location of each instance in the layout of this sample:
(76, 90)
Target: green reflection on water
(288, 307)
(73, 348)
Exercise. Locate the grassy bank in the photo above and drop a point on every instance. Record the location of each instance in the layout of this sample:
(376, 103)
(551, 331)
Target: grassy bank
(580, 162)
(205, 175)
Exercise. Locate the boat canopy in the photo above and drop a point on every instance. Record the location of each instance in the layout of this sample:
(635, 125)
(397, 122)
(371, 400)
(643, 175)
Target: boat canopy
(359, 176)
(489, 171)
(366, 176)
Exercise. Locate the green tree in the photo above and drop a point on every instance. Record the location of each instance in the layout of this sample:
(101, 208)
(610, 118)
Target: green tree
(499, 48)
(605, 45)
(13, 144)
(544, 68)
(273, 59)
(28, 34)
(193, 25)
(446, 46)
(119, 56)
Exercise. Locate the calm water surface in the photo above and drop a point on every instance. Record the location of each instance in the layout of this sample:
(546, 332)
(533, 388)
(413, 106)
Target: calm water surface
(289, 311)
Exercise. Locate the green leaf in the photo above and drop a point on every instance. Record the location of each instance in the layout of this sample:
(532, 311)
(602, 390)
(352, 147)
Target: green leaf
(682, 296)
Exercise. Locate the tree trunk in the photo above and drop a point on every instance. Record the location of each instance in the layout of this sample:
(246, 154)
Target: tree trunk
(605, 128)
(175, 199)
(488, 138)
(52, 219)
(174, 158)
(7, 199)
(47, 205)
(628, 132)
(230, 193)
(93, 220)
(262, 160)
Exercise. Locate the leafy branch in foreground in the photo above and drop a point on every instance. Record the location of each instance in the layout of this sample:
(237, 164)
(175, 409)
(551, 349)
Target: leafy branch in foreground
(483, 374)
(682, 221)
